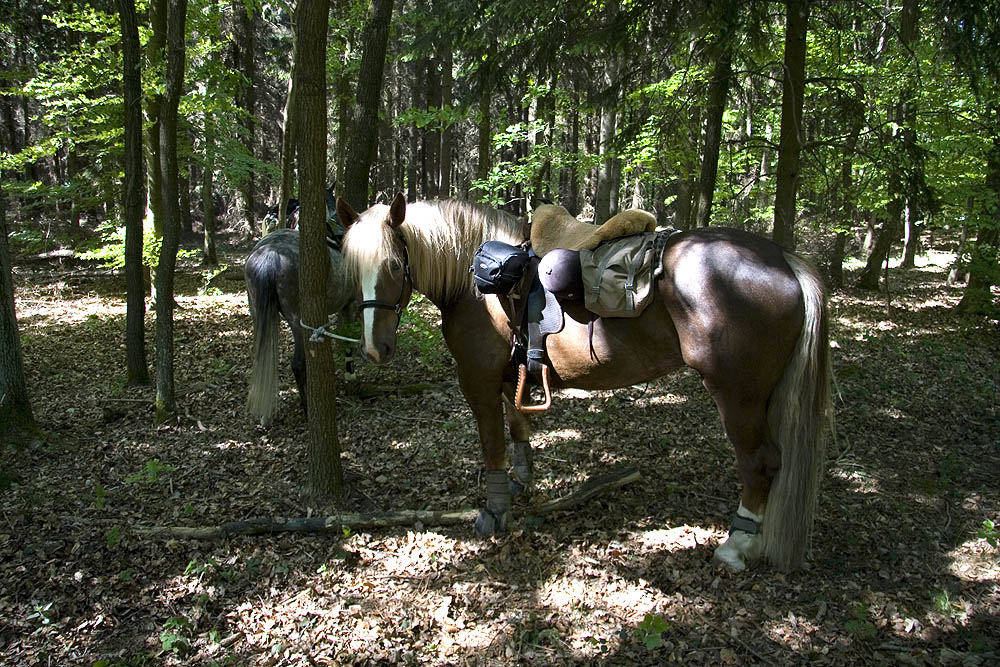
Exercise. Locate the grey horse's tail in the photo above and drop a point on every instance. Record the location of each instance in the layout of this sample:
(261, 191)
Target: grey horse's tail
(798, 413)
(263, 298)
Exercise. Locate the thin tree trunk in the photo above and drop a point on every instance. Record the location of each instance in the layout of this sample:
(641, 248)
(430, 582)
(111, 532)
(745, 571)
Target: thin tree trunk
(72, 171)
(483, 165)
(413, 134)
(154, 48)
(447, 141)
(718, 92)
(977, 297)
(605, 174)
(184, 166)
(173, 83)
(244, 20)
(17, 423)
(288, 148)
(573, 199)
(325, 473)
(911, 238)
(790, 144)
(908, 34)
(209, 255)
(432, 138)
(959, 270)
(133, 199)
(361, 150)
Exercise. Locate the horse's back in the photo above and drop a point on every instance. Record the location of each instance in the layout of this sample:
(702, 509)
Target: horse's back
(735, 302)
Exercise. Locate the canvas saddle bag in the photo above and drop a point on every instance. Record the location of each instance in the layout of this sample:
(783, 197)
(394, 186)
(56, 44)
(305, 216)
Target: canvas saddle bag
(618, 275)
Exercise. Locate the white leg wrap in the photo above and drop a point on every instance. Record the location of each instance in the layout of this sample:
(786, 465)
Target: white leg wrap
(741, 544)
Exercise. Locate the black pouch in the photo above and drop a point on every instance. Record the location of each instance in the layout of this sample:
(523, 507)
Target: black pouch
(498, 266)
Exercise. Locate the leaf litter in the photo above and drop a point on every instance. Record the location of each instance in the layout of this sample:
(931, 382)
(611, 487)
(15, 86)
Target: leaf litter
(898, 572)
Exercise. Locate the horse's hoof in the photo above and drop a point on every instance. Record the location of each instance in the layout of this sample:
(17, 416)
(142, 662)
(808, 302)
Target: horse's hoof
(730, 557)
(488, 523)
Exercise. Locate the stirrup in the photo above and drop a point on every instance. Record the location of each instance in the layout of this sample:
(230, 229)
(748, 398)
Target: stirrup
(522, 377)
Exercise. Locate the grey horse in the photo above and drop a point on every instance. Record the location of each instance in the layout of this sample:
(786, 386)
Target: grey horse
(272, 278)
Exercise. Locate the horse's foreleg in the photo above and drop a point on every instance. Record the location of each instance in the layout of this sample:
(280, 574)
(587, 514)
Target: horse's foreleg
(486, 407)
(522, 464)
(757, 462)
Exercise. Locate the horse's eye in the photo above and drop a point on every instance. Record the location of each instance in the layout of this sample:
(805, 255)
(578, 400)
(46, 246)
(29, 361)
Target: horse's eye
(395, 266)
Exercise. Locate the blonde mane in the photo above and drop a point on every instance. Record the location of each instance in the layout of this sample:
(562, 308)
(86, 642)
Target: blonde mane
(441, 238)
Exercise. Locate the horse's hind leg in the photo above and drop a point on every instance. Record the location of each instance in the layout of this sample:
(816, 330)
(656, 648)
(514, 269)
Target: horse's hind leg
(522, 471)
(757, 462)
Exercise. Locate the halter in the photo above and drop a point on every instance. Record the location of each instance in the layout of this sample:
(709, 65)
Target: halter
(398, 306)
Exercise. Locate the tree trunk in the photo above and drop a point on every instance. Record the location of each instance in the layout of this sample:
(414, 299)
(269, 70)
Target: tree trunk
(288, 148)
(361, 149)
(172, 86)
(325, 473)
(154, 49)
(911, 238)
(899, 196)
(209, 255)
(72, 171)
(483, 165)
(959, 271)
(447, 132)
(977, 297)
(17, 423)
(344, 121)
(432, 137)
(133, 199)
(573, 196)
(244, 21)
(605, 173)
(718, 92)
(908, 34)
(790, 144)
(184, 165)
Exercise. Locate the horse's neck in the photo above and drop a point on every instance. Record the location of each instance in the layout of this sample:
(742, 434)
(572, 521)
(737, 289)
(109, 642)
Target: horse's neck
(442, 277)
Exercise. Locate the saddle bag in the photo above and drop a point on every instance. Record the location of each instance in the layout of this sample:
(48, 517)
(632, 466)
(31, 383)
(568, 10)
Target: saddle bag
(498, 266)
(618, 275)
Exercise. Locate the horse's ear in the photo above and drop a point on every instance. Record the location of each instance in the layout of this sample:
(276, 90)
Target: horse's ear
(346, 214)
(397, 210)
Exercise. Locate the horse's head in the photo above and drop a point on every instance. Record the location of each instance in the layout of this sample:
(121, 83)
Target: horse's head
(376, 257)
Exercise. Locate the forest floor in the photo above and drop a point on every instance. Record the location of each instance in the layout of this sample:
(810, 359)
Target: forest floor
(898, 570)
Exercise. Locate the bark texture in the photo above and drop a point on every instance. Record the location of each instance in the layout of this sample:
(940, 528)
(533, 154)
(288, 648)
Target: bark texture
(133, 199)
(790, 144)
(326, 476)
(361, 147)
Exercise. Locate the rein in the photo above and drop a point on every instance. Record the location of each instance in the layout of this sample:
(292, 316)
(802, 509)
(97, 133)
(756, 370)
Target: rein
(398, 306)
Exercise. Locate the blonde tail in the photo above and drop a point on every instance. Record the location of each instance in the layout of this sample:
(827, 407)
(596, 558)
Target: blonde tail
(797, 416)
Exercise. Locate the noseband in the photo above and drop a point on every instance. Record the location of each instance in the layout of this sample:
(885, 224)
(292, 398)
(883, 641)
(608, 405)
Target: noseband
(398, 306)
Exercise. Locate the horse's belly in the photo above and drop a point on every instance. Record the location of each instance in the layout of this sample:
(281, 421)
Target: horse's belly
(617, 353)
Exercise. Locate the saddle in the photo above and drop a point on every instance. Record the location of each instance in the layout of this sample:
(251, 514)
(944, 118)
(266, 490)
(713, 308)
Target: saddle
(550, 274)
(553, 227)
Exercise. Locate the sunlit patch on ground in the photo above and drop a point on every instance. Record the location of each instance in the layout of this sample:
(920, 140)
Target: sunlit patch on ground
(680, 537)
(860, 480)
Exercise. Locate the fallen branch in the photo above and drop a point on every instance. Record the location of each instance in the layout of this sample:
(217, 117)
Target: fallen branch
(338, 522)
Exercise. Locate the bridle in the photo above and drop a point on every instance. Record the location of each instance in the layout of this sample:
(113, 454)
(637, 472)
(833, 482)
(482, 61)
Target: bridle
(408, 283)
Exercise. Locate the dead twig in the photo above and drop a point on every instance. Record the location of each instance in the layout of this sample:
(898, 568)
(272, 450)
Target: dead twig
(338, 522)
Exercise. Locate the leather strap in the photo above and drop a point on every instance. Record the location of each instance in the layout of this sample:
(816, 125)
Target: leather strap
(744, 523)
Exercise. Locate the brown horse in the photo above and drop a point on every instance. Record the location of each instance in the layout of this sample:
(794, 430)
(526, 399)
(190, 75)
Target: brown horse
(749, 316)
